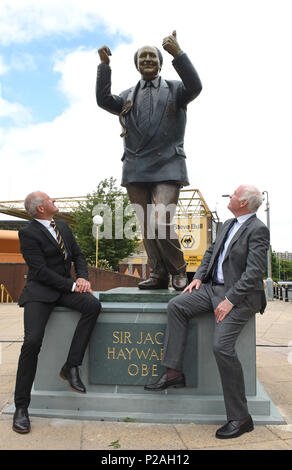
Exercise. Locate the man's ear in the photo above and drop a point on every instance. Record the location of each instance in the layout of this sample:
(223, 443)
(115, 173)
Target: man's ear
(40, 209)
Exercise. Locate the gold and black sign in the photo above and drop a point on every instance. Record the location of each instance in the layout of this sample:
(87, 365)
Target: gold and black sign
(131, 353)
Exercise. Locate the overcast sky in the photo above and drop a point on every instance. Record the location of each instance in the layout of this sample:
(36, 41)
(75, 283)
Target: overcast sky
(53, 136)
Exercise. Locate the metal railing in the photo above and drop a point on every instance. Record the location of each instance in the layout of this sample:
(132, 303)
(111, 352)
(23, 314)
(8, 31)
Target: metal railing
(5, 297)
(282, 291)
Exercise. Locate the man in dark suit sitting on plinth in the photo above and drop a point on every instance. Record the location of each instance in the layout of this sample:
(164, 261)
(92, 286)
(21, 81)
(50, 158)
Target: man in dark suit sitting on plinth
(229, 282)
(49, 248)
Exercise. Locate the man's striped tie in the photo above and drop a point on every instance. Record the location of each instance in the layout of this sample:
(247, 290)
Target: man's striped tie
(59, 238)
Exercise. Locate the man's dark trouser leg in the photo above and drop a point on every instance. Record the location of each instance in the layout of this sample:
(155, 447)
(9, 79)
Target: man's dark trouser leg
(229, 366)
(180, 310)
(89, 307)
(35, 318)
(36, 315)
(186, 306)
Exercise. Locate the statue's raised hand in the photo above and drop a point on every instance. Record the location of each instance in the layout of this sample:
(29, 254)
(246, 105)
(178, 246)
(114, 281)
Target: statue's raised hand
(104, 53)
(171, 45)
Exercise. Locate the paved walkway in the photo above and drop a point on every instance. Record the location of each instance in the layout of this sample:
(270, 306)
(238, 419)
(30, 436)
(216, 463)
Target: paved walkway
(274, 370)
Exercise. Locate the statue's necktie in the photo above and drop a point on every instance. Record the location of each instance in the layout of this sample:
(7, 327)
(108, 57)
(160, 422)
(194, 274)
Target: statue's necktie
(59, 239)
(145, 108)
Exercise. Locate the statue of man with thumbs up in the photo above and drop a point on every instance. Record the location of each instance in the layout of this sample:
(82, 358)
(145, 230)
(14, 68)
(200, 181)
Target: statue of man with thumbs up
(153, 116)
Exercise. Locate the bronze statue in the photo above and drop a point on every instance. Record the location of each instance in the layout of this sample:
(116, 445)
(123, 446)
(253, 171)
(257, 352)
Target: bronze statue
(153, 117)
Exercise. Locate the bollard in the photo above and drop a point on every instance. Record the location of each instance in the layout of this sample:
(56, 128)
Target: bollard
(281, 293)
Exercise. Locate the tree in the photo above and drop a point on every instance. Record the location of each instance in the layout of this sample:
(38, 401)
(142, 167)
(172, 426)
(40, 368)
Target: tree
(112, 204)
(281, 269)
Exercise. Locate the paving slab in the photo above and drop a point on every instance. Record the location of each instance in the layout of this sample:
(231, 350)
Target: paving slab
(130, 436)
(45, 435)
(202, 436)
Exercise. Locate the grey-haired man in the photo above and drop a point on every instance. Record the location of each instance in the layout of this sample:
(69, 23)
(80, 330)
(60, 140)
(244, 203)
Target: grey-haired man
(229, 282)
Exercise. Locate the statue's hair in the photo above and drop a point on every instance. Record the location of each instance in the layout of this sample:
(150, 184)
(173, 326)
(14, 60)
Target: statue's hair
(31, 202)
(158, 53)
(253, 196)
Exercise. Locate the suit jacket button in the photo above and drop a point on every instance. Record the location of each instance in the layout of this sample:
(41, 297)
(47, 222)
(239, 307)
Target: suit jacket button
(159, 153)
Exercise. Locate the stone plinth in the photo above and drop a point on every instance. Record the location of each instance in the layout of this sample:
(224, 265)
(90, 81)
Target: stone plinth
(125, 353)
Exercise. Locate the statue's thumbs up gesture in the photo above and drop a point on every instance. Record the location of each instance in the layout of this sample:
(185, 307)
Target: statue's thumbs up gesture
(171, 45)
(104, 52)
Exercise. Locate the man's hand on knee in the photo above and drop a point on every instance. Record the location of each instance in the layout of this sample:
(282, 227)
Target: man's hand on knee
(82, 285)
(195, 284)
(222, 310)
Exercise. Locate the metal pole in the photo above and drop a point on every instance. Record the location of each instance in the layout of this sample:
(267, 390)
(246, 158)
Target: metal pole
(97, 221)
(96, 247)
(269, 264)
(269, 227)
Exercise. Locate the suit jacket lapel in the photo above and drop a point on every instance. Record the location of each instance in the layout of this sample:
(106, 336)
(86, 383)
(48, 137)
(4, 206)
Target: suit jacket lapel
(131, 97)
(157, 115)
(50, 237)
(238, 234)
(217, 247)
(219, 241)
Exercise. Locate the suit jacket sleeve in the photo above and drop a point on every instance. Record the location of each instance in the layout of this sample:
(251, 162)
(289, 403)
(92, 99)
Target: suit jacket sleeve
(36, 262)
(258, 245)
(202, 269)
(191, 85)
(78, 258)
(104, 97)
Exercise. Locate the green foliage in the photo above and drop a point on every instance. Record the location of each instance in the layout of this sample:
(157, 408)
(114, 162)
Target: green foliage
(112, 250)
(115, 444)
(281, 269)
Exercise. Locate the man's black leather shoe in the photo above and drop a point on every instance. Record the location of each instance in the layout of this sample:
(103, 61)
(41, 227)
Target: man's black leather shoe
(179, 281)
(153, 283)
(164, 382)
(21, 421)
(72, 375)
(235, 428)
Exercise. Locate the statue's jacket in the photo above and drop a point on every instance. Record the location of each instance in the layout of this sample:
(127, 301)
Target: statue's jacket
(158, 154)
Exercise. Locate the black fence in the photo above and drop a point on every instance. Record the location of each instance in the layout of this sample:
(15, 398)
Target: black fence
(283, 291)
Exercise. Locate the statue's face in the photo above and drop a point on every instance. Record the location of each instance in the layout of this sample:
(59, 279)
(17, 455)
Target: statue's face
(148, 62)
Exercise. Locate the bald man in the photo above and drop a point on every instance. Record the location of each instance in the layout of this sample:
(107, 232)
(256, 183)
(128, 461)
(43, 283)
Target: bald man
(229, 282)
(49, 249)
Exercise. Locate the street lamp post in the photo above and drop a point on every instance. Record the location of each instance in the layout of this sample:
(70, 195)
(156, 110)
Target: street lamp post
(97, 220)
(269, 279)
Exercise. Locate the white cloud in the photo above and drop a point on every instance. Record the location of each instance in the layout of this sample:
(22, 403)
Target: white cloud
(24, 20)
(17, 113)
